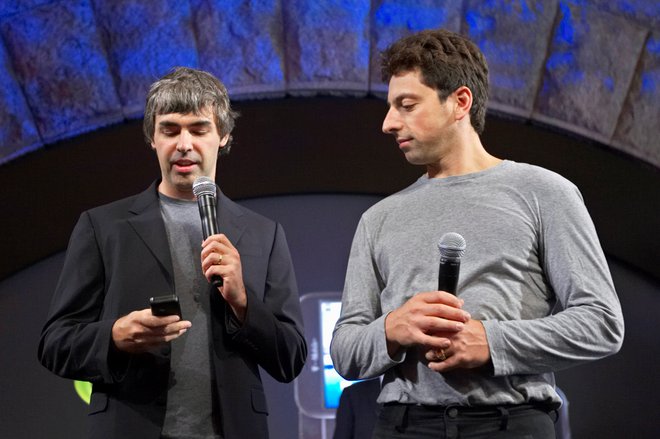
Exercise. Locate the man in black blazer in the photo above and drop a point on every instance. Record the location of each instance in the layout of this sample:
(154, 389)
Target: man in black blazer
(164, 377)
(358, 410)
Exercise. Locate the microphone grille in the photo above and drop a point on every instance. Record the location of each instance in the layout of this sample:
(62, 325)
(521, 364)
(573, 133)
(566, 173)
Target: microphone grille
(451, 245)
(203, 186)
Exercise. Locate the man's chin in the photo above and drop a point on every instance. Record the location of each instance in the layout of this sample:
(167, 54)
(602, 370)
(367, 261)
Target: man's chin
(414, 159)
(184, 179)
(183, 182)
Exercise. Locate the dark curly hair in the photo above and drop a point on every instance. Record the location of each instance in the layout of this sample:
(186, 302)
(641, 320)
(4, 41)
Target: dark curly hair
(185, 90)
(446, 61)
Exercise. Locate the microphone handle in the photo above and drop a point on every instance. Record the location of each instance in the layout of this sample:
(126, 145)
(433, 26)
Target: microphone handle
(448, 275)
(216, 281)
(207, 214)
(206, 205)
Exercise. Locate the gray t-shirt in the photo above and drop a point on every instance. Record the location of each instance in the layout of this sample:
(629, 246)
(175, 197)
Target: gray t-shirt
(531, 247)
(190, 397)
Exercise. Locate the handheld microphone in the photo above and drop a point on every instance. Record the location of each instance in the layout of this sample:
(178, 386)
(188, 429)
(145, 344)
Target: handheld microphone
(204, 189)
(452, 247)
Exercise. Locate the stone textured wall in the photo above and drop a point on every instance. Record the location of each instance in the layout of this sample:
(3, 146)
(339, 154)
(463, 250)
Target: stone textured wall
(590, 67)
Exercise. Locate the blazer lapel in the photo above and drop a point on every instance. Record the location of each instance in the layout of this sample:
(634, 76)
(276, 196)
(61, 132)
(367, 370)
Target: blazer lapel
(149, 226)
(229, 219)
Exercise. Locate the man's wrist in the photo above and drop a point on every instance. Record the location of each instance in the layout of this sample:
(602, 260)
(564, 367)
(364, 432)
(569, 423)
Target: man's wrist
(393, 347)
(239, 308)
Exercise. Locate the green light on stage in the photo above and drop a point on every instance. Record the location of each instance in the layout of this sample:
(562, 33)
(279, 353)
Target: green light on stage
(83, 389)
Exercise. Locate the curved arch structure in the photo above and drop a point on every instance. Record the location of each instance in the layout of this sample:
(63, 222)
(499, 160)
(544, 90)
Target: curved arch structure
(591, 67)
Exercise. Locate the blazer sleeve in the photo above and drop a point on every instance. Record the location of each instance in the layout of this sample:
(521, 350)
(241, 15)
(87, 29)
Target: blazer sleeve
(272, 332)
(74, 342)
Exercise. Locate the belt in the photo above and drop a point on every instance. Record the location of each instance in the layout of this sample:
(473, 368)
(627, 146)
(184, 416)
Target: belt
(453, 411)
(403, 413)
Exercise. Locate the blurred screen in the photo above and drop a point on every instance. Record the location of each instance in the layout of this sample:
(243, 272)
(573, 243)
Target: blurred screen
(333, 384)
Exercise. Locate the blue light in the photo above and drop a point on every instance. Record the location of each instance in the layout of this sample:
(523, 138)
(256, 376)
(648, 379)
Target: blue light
(626, 6)
(479, 24)
(653, 45)
(526, 14)
(507, 82)
(509, 55)
(649, 83)
(559, 60)
(412, 17)
(565, 31)
(572, 77)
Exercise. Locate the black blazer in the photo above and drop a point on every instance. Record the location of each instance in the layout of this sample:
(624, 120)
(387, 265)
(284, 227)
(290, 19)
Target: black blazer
(118, 257)
(358, 410)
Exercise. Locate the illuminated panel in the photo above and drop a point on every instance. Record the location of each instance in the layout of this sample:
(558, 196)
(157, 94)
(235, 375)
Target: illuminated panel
(61, 65)
(17, 130)
(513, 37)
(144, 41)
(327, 46)
(8, 7)
(641, 11)
(242, 43)
(333, 383)
(589, 70)
(641, 110)
(585, 66)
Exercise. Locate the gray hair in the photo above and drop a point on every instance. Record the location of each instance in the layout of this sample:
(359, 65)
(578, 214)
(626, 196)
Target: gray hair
(185, 90)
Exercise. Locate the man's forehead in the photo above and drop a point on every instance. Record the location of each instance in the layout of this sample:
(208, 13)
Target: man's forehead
(405, 85)
(202, 117)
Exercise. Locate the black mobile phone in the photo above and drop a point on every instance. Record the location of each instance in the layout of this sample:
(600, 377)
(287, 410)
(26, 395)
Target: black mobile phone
(165, 305)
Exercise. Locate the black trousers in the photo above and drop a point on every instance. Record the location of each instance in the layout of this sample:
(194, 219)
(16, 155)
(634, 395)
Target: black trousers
(405, 421)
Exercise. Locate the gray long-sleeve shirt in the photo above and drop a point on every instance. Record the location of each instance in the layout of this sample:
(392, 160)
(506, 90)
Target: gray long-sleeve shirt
(531, 248)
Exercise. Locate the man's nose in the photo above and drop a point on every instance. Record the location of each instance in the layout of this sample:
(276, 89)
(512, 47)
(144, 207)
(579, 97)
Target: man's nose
(392, 121)
(185, 141)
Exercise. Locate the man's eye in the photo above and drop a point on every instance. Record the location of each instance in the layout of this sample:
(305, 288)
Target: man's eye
(169, 132)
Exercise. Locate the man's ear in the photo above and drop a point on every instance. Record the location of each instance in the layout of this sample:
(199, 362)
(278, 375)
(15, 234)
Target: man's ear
(224, 140)
(463, 102)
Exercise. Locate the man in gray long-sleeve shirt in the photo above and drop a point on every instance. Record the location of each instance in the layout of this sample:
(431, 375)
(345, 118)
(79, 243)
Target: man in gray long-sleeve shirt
(535, 294)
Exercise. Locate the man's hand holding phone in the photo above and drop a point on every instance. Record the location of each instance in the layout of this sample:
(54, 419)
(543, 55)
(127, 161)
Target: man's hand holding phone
(167, 305)
(141, 331)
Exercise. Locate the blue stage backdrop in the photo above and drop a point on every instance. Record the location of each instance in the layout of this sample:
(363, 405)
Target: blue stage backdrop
(590, 67)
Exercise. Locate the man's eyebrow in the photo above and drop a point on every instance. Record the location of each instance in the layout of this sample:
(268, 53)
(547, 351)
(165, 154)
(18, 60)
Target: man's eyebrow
(201, 124)
(197, 123)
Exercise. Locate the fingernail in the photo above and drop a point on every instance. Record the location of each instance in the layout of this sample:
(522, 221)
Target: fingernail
(460, 326)
(467, 316)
